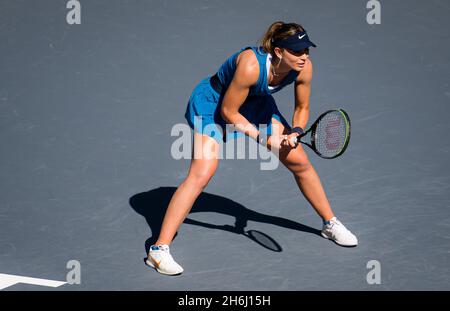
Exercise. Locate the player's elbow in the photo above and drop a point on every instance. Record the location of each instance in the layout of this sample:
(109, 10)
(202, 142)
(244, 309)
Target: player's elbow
(225, 113)
(301, 107)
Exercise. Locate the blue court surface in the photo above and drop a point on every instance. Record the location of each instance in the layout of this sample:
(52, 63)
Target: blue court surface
(86, 170)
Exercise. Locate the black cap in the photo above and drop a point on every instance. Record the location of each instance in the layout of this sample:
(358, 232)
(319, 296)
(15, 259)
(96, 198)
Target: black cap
(297, 42)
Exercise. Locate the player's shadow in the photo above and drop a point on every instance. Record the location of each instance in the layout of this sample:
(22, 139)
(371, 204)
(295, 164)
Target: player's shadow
(153, 204)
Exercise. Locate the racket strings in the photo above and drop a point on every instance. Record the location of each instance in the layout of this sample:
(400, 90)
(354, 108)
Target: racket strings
(332, 134)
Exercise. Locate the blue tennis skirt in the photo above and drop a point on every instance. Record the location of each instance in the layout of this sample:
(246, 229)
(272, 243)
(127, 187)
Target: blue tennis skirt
(203, 113)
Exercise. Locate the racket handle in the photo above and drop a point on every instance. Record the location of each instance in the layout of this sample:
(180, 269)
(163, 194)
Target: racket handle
(295, 139)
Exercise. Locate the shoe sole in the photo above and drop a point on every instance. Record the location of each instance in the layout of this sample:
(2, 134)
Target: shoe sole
(150, 264)
(343, 245)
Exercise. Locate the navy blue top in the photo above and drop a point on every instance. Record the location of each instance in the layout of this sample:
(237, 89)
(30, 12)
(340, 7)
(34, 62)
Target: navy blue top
(227, 69)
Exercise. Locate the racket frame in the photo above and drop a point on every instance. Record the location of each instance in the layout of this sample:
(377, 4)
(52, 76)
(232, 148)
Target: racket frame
(313, 130)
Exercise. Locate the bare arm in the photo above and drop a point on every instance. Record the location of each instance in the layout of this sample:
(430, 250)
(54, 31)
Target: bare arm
(302, 94)
(246, 75)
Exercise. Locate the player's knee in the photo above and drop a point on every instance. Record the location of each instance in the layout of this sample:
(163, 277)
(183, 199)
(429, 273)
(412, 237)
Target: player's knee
(300, 167)
(201, 178)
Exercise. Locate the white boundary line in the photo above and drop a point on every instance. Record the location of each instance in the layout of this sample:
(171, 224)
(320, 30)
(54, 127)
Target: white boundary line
(7, 280)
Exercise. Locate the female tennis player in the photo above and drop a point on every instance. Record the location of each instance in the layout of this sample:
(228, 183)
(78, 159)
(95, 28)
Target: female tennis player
(240, 94)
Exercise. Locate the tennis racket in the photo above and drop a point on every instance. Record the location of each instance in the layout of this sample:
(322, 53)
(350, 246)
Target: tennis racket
(329, 135)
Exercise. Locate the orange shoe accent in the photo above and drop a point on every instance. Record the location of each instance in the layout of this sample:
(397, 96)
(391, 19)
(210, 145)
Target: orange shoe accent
(157, 263)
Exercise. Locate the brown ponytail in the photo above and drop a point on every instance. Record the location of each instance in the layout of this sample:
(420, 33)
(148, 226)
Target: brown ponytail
(278, 31)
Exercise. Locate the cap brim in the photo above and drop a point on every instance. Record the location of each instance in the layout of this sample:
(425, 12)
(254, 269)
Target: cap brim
(300, 46)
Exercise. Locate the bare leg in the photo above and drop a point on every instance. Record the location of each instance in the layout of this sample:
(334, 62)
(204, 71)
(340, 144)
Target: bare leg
(202, 168)
(305, 175)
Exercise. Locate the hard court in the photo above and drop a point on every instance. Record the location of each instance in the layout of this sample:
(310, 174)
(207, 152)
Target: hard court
(86, 171)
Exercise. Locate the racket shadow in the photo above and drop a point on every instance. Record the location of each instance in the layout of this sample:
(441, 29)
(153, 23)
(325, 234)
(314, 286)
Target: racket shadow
(257, 236)
(152, 206)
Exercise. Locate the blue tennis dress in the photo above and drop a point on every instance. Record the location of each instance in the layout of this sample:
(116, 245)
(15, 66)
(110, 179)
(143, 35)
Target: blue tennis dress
(203, 109)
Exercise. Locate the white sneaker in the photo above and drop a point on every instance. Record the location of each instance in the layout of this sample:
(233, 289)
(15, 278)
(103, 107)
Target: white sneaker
(337, 232)
(159, 258)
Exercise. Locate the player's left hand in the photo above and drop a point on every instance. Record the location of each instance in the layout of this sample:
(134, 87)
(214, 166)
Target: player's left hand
(290, 140)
